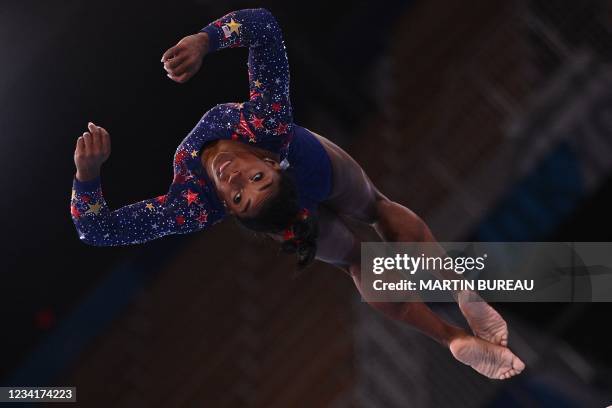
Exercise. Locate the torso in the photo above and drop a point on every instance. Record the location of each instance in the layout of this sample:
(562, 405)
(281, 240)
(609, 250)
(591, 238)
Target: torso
(353, 194)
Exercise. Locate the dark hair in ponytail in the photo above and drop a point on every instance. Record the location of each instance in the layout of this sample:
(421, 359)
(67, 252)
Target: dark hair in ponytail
(282, 214)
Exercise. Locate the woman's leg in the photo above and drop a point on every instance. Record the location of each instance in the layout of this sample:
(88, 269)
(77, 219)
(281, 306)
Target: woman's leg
(396, 223)
(339, 246)
(355, 196)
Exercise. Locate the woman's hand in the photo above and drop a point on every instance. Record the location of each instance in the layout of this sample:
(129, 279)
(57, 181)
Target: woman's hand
(182, 61)
(92, 149)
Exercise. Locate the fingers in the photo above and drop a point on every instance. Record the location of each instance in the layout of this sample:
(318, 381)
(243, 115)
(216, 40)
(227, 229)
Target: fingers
(173, 59)
(173, 63)
(178, 66)
(172, 52)
(178, 69)
(183, 60)
(95, 141)
(181, 70)
(87, 141)
(80, 146)
(96, 138)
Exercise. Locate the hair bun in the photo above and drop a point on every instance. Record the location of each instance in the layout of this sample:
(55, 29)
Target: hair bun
(289, 246)
(301, 238)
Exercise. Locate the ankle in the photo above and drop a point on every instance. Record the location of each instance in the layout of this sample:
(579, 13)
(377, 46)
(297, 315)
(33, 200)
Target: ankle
(453, 333)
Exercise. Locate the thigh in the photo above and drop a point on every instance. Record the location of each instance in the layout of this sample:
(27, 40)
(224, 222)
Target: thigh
(337, 244)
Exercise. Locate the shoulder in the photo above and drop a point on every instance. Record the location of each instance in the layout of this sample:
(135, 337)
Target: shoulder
(216, 123)
(221, 114)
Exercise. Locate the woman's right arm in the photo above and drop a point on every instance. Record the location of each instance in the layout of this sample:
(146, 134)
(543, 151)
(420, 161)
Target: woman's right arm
(182, 210)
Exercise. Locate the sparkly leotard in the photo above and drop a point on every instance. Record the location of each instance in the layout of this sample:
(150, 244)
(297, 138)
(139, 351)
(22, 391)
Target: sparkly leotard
(265, 120)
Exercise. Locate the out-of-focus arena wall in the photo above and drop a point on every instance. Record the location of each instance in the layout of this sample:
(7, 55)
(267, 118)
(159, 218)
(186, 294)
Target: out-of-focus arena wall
(240, 333)
(494, 126)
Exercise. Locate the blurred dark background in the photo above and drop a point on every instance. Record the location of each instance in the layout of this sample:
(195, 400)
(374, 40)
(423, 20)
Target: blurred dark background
(492, 120)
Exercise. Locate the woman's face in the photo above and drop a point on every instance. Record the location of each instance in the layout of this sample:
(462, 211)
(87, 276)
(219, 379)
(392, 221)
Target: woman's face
(243, 180)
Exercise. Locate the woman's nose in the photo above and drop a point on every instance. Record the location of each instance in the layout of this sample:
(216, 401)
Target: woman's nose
(234, 177)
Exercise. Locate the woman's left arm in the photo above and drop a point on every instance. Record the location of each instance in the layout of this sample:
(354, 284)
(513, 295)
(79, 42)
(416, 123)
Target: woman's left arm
(268, 66)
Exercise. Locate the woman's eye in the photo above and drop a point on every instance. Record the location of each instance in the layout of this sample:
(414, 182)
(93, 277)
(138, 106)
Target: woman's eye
(237, 198)
(257, 177)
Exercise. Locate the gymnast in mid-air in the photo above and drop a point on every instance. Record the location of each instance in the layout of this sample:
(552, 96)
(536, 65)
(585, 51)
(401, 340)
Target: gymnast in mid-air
(251, 161)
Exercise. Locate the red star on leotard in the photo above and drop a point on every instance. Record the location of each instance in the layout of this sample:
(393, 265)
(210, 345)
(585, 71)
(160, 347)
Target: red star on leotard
(191, 197)
(256, 122)
(74, 211)
(203, 217)
(180, 220)
(85, 198)
(281, 128)
(242, 127)
(180, 156)
(218, 23)
(161, 199)
(276, 107)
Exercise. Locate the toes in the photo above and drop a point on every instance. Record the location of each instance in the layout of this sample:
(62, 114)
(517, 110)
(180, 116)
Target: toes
(518, 365)
(509, 374)
(493, 328)
(499, 339)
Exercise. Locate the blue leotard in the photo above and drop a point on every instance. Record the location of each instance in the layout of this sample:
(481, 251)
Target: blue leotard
(265, 120)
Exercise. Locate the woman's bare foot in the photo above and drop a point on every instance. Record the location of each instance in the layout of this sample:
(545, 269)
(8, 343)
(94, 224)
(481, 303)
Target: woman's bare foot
(488, 359)
(484, 321)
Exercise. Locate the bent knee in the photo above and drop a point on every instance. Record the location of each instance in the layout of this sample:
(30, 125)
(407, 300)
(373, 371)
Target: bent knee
(382, 208)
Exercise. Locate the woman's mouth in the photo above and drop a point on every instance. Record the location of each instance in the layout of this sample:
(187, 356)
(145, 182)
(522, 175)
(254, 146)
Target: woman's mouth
(223, 166)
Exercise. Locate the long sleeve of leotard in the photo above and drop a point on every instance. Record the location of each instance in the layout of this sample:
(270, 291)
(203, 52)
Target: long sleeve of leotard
(181, 210)
(187, 206)
(268, 67)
